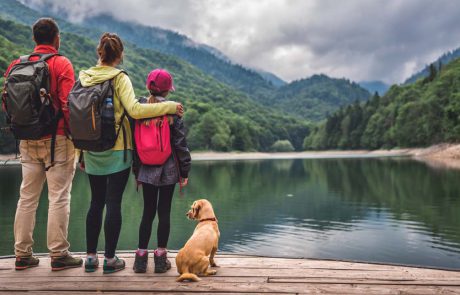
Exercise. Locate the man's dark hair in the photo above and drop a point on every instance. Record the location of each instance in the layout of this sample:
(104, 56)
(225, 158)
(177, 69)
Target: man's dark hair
(45, 30)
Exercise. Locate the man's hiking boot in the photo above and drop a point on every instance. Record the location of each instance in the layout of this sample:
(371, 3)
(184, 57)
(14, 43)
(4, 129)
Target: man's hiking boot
(65, 262)
(116, 265)
(140, 263)
(162, 264)
(26, 262)
(91, 264)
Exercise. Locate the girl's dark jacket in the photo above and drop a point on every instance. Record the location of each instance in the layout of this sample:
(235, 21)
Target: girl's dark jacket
(177, 165)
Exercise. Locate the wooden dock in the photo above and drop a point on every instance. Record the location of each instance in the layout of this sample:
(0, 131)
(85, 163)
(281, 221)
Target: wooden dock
(236, 274)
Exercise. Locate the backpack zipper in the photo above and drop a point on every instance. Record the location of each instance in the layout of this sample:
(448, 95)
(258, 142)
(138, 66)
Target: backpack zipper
(161, 141)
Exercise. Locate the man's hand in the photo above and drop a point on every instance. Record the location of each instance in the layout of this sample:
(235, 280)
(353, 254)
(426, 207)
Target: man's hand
(180, 110)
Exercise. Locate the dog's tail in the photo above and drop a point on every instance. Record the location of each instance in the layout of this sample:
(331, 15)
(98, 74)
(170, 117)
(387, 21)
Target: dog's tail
(188, 276)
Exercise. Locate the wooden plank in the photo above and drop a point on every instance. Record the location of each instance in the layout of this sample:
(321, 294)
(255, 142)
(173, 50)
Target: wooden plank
(214, 279)
(131, 280)
(133, 293)
(45, 271)
(302, 267)
(274, 275)
(130, 293)
(273, 263)
(238, 275)
(270, 262)
(208, 286)
(367, 281)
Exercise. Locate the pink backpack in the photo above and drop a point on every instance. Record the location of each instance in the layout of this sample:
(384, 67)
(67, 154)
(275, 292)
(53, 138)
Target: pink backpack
(153, 140)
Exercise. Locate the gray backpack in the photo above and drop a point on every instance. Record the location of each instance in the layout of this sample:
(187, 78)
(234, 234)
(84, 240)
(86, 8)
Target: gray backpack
(92, 119)
(30, 111)
(28, 103)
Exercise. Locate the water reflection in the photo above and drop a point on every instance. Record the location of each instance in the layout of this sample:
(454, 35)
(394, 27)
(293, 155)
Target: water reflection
(388, 210)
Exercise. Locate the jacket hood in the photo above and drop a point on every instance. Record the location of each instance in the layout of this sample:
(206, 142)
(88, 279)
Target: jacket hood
(96, 75)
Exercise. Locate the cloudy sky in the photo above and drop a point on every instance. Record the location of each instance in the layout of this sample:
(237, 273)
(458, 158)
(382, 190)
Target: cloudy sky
(384, 40)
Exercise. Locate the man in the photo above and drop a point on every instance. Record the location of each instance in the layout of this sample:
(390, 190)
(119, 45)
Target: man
(38, 165)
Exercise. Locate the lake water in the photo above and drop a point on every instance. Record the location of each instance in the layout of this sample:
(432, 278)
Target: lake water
(384, 210)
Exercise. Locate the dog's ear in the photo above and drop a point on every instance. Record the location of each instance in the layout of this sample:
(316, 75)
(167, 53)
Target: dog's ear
(196, 206)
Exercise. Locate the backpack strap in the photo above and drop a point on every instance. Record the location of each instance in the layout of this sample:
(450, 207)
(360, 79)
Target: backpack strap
(43, 56)
(47, 56)
(56, 120)
(24, 58)
(122, 127)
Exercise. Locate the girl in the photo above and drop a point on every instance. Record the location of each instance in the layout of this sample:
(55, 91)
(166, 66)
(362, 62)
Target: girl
(158, 181)
(108, 171)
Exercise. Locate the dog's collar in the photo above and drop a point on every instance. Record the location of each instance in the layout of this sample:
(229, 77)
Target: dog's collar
(209, 219)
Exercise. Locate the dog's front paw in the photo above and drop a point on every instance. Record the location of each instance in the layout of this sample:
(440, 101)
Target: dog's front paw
(211, 272)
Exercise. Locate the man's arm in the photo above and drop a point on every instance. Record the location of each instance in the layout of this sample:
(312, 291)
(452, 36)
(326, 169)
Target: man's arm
(65, 82)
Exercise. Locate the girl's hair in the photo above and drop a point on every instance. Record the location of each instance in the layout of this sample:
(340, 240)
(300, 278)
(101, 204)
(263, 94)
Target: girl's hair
(154, 93)
(110, 48)
(152, 99)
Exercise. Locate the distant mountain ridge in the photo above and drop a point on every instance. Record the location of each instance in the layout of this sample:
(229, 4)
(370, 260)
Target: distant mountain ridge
(442, 60)
(317, 96)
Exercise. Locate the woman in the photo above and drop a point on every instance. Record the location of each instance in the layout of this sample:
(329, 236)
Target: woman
(108, 171)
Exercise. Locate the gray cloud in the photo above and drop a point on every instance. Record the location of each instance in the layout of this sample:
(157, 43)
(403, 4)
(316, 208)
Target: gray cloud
(359, 39)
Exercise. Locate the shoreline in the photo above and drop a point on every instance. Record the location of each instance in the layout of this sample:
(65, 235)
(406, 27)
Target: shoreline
(437, 156)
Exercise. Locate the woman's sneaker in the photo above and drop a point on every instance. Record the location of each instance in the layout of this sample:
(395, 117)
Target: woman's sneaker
(114, 265)
(162, 264)
(26, 262)
(140, 263)
(64, 262)
(91, 264)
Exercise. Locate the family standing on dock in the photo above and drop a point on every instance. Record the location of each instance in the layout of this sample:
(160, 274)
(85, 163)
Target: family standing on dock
(100, 117)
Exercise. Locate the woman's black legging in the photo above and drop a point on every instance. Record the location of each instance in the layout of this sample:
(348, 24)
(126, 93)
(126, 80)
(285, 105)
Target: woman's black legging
(106, 191)
(156, 197)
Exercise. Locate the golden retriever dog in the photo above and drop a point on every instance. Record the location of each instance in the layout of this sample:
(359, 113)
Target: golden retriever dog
(198, 253)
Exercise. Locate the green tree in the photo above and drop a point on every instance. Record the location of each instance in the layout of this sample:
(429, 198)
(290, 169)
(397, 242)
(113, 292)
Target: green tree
(282, 146)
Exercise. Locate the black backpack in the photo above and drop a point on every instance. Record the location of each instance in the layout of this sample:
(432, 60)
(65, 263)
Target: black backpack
(28, 103)
(92, 120)
(29, 108)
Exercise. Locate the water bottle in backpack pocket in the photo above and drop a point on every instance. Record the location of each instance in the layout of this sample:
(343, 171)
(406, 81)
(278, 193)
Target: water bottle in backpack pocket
(108, 121)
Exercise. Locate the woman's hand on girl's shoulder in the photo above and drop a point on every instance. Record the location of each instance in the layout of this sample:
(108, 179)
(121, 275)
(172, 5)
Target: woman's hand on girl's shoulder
(180, 110)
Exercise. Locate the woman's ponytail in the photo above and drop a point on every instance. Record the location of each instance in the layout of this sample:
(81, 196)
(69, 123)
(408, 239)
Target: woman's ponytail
(110, 48)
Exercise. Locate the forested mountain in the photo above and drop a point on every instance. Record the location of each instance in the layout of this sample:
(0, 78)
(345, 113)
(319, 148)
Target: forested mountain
(179, 45)
(420, 114)
(218, 116)
(317, 96)
(262, 85)
(249, 121)
(444, 59)
(375, 86)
